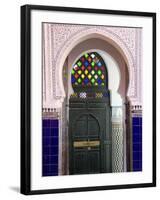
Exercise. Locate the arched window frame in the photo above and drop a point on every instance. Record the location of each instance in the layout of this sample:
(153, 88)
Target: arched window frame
(93, 63)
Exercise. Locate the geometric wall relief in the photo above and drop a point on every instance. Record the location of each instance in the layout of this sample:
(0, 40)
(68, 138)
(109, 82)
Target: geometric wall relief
(61, 38)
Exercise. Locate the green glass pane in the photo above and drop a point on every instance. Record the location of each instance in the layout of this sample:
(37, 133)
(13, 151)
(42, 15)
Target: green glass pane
(73, 71)
(79, 63)
(92, 80)
(93, 64)
(86, 55)
(102, 84)
(79, 80)
(99, 72)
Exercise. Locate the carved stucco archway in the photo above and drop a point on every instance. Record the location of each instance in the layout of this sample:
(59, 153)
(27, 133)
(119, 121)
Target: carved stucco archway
(106, 35)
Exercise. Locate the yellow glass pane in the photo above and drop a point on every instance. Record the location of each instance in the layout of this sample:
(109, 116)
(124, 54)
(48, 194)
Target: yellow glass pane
(86, 71)
(82, 76)
(79, 72)
(89, 76)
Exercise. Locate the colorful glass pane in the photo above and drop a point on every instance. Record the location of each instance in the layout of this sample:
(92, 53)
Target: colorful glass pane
(79, 72)
(92, 55)
(82, 76)
(79, 80)
(89, 70)
(86, 55)
(86, 63)
(86, 71)
(93, 64)
(99, 64)
(92, 72)
(89, 76)
(76, 76)
(96, 76)
(99, 72)
(79, 63)
(92, 80)
(83, 68)
(86, 80)
(73, 71)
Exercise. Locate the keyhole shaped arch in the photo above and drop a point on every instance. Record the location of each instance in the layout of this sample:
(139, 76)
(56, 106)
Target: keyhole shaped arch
(82, 36)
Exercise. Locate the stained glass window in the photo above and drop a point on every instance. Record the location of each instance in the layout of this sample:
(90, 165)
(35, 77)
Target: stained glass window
(89, 70)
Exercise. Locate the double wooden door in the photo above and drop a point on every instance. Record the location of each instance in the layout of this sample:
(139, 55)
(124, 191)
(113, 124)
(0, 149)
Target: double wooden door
(90, 143)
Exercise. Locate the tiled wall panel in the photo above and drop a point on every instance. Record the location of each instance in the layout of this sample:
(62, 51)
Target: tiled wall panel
(50, 147)
(137, 143)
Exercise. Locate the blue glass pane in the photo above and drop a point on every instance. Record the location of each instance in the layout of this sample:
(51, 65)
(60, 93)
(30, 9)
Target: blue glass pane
(86, 63)
(73, 79)
(86, 80)
(99, 64)
(99, 81)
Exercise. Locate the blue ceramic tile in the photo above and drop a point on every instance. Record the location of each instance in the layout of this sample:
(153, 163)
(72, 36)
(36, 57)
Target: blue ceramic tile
(46, 159)
(137, 169)
(137, 138)
(46, 123)
(46, 150)
(54, 150)
(54, 132)
(46, 168)
(137, 164)
(137, 147)
(46, 131)
(53, 168)
(54, 123)
(137, 155)
(140, 120)
(50, 147)
(54, 141)
(50, 174)
(46, 141)
(135, 120)
(140, 129)
(54, 159)
(136, 129)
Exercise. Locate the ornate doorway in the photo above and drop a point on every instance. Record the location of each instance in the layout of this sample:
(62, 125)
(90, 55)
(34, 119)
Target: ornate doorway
(90, 117)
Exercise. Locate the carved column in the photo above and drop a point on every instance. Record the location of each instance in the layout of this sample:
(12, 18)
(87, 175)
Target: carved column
(117, 139)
